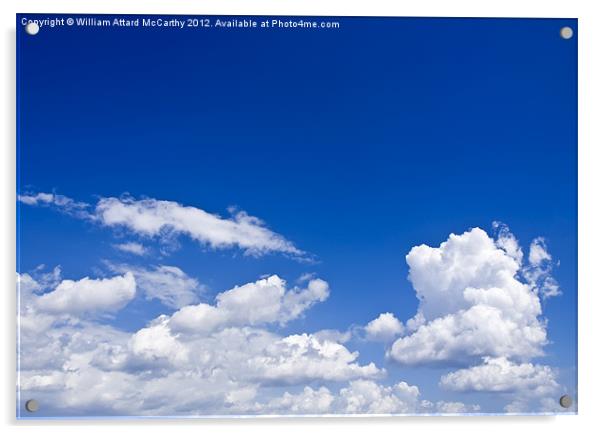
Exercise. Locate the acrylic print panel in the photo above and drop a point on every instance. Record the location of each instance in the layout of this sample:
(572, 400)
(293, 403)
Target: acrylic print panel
(226, 216)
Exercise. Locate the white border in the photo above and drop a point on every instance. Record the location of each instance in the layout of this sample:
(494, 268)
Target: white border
(590, 216)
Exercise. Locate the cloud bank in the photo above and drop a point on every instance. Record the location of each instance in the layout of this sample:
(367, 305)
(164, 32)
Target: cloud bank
(226, 349)
(479, 317)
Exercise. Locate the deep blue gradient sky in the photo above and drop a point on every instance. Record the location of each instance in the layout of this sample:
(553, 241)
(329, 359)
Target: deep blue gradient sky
(355, 144)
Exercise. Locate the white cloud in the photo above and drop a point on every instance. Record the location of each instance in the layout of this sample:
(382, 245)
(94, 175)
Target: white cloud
(358, 397)
(261, 302)
(168, 284)
(479, 301)
(44, 382)
(467, 335)
(60, 202)
(77, 366)
(530, 387)
(334, 335)
(49, 279)
(502, 375)
(539, 271)
(309, 401)
(457, 407)
(508, 242)
(36, 199)
(132, 247)
(27, 285)
(151, 217)
(298, 358)
(384, 328)
(89, 295)
(549, 288)
(157, 342)
(552, 405)
(162, 219)
(538, 252)
(156, 372)
(440, 275)
(362, 396)
(476, 305)
(472, 304)
(516, 406)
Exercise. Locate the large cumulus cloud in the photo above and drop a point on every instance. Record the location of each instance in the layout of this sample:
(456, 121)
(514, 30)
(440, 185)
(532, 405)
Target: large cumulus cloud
(472, 303)
(480, 309)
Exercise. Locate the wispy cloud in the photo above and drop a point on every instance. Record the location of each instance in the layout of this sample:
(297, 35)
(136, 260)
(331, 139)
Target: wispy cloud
(163, 219)
(132, 247)
(62, 203)
(168, 284)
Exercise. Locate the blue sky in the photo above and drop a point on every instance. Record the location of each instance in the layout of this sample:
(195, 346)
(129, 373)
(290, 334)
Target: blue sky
(354, 144)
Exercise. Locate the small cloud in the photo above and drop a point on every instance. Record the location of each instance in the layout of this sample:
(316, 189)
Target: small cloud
(62, 203)
(334, 335)
(132, 247)
(539, 271)
(385, 328)
(168, 284)
(538, 252)
(305, 277)
(457, 407)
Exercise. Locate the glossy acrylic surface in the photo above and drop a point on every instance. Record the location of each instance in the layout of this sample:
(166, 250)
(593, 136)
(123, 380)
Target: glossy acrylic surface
(239, 216)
